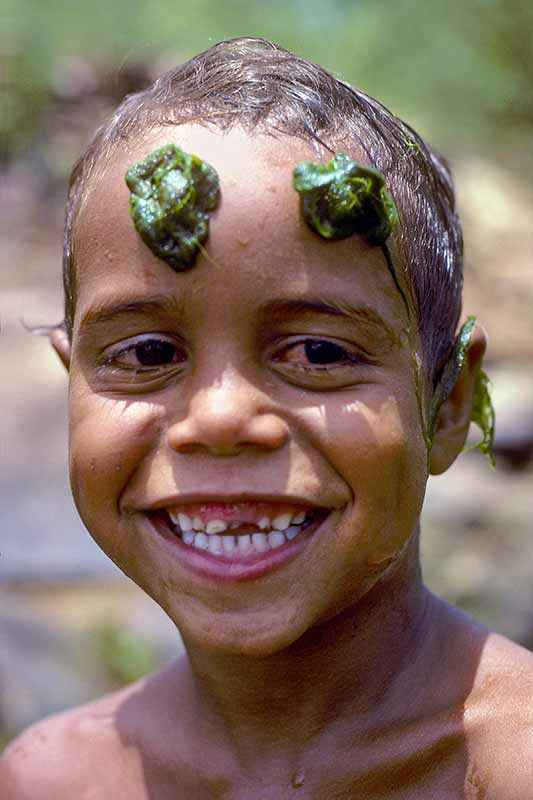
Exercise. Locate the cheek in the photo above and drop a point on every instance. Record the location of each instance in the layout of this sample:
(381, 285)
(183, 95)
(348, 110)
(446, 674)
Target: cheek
(376, 446)
(109, 437)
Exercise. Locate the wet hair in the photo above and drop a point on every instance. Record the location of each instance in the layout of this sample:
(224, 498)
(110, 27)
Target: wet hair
(262, 87)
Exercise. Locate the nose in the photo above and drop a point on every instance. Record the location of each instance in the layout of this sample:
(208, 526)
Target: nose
(227, 416)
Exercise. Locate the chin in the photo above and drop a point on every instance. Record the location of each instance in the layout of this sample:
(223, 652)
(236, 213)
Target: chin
(245, 638)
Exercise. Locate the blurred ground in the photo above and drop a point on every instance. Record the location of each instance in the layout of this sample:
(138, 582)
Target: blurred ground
(70, 625)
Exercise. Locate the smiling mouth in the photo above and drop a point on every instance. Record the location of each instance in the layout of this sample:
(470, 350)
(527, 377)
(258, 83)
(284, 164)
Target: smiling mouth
(237, 539)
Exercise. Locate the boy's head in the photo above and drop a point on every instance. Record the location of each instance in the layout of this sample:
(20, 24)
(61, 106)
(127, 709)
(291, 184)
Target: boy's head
(245, 435)
(262, 87)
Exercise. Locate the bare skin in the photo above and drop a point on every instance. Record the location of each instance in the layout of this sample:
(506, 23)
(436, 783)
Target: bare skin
(330, 672)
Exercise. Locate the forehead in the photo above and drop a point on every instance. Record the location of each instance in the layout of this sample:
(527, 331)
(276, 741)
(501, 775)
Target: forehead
(257, 235)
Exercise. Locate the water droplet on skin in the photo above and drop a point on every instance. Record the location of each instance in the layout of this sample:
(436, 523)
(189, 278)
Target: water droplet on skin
(297, 779)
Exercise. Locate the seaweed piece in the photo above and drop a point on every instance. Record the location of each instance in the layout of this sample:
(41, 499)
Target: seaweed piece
(171, 195)
(484, 417)
(342, 197)
(482, 408)
(453, 367)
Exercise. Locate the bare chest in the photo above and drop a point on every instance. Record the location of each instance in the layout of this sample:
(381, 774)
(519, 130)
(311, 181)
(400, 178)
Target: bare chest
(440, 773)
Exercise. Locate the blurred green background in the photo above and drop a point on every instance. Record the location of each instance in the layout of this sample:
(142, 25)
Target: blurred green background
(461, 73)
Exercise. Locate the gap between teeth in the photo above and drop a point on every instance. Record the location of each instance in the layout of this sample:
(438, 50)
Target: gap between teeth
(269, 535)
(280, 523)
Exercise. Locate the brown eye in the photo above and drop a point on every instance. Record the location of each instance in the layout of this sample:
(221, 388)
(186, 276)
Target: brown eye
(146, 354)
(321, 364)
(323, 352)
(155, 353)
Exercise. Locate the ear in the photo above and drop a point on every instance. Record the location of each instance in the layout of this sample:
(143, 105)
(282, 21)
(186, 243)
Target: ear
(453, 419)
(59, 340)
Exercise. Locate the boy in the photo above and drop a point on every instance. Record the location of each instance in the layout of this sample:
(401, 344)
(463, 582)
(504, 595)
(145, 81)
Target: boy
(252, 423)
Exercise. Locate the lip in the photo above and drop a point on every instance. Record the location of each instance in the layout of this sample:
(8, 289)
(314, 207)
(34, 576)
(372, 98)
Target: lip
(217, 568)
(229, 499)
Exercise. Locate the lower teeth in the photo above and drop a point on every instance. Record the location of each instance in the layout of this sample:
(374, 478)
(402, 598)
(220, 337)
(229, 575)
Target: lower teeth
(248, 544)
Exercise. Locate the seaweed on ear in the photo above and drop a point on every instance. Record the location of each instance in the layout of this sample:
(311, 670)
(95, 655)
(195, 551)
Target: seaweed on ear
(482, 408)
(172, 193)
(453, 367)
(484, 417)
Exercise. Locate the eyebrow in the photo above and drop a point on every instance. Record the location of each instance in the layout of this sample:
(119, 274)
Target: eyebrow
(360, 313)
(277, 311)
(108, 311)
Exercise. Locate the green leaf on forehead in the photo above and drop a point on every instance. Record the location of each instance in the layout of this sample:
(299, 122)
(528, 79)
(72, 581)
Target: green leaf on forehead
(482, 408)
(171, 195)
(342, 198)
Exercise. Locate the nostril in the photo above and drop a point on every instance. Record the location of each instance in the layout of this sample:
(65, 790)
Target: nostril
(269, 430)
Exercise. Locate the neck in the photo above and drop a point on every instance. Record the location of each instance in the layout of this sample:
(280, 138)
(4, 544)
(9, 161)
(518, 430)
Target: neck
(361, 665)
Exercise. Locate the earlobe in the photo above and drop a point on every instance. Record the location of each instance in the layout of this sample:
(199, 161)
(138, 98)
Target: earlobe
(59, 340)
(455, 413)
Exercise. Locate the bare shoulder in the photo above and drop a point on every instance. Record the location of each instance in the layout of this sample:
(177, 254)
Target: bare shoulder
(499, 722)
(58, 757)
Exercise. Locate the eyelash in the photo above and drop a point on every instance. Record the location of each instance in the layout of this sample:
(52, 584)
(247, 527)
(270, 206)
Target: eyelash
(308, 341)
(112, 359)
(347, 358)
(343, 371)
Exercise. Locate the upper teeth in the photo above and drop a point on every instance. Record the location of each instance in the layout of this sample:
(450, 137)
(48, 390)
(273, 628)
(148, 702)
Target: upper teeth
(183, 521)
(282, 522)
(216, 526)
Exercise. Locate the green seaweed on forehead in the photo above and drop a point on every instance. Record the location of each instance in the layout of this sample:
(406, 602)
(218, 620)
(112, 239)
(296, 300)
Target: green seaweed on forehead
(342, 198)
(482, 408)
(171, 195)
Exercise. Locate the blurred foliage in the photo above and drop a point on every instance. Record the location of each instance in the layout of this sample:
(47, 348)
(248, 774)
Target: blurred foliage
(461, 72)
(126, 655)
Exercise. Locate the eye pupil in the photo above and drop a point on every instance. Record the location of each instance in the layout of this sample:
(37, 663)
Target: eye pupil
(155, 353)
(323, 352)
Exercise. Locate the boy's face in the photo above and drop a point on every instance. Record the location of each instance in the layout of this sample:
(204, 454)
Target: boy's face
(273, 377)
